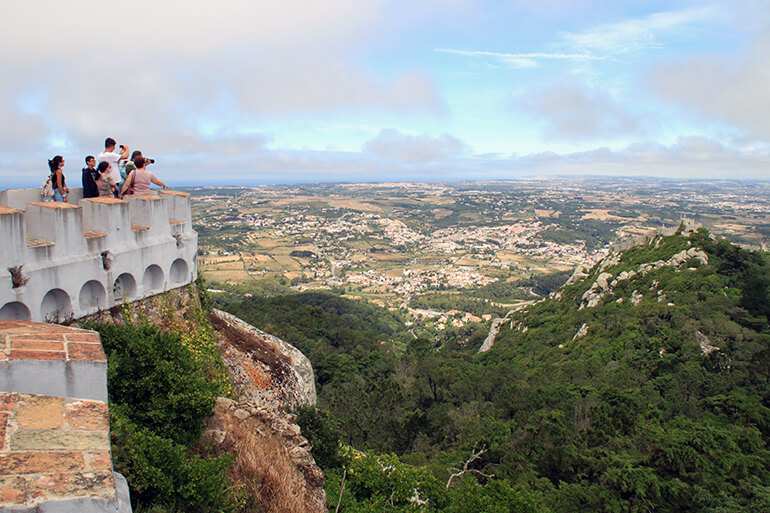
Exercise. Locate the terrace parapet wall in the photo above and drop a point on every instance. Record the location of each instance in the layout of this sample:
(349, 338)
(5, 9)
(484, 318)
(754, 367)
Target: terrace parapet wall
(67, 260)
(54, 422)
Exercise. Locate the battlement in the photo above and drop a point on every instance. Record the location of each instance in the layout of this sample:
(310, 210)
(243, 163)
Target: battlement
(68, 260)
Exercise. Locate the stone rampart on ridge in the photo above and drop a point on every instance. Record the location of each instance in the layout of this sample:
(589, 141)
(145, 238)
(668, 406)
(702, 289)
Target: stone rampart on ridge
(68, 260)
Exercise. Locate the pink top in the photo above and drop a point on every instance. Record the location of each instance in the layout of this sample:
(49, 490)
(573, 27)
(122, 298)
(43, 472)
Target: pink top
(142, 181)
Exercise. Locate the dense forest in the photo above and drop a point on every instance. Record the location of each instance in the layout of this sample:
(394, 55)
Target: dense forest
(654, 398)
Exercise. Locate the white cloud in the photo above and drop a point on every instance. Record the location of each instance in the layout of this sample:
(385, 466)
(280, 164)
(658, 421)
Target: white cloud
(633, 35)
(574, 112)
(122, 37)
(392, 144)
(159, 74)
(688, 157)
(720, 87)
(521, 60)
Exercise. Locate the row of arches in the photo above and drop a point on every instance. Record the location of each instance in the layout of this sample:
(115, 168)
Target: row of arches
(57, 304)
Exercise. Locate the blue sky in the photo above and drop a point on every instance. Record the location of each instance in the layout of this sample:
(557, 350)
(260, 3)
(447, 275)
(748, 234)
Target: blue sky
(246, 92)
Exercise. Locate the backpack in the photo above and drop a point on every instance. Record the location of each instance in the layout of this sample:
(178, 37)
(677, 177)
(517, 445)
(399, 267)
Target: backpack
(46, 190)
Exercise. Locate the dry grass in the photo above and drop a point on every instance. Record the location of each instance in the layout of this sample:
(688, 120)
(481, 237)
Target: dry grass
(226, 276)
(270, 243)
(287, 262)
(354, 205)
(263, 467)
(601, 215)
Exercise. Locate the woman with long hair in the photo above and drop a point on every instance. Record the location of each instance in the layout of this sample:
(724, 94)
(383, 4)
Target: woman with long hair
(60, 189)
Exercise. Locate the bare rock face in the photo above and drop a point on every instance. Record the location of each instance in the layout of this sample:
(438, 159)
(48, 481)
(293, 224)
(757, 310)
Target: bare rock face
(579, 273)
(603, 286)
(582, 332)
(273, 461)
(706, 347)
(262, 367)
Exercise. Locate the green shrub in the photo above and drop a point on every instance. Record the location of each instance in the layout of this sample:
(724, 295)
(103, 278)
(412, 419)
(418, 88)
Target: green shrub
(153, 374)
(164, 473)
(160, 396)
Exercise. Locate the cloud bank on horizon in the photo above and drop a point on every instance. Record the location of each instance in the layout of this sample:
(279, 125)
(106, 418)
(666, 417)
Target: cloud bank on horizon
(244, 92)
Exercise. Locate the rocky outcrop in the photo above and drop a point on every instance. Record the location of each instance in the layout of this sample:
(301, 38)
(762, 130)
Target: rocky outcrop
(250, 353)
(706, 347)
(494, 329)
(268, 375)
(582, 332)
(272, 459)
(603, 286)
(581, 271)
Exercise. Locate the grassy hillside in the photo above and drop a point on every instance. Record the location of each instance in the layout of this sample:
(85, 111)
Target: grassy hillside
(643, 386)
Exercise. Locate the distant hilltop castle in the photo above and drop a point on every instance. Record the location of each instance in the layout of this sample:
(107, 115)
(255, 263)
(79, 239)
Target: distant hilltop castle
(68, 260)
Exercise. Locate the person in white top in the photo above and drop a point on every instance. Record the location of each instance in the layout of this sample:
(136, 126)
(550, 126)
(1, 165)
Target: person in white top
(112, 158)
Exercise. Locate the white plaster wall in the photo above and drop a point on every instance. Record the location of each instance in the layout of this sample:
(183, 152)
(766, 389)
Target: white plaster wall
(71, 260)
(20, 198)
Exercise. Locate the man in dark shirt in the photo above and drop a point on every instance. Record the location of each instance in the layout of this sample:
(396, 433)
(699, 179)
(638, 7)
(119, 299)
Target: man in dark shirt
(90, 190)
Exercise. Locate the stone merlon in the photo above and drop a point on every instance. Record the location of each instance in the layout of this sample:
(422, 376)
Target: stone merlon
(68, 260)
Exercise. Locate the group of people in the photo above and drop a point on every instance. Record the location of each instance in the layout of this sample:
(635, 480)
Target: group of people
(115, 175)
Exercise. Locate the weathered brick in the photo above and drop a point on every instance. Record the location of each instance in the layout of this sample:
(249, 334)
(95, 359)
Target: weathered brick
(85, 351)
(55, 440)
(51, 329)
(8, 401)
(98, 461)
(25, 354)
(38, 462)
(91, 415)
(4, 416)
(40, 345)
(83, 337)
(39, 412)
(15, 326)
(37, 336)
(13, 490)
(61, 485)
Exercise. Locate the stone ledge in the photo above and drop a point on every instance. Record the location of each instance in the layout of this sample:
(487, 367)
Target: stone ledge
(174, 193)
(54, 205)
(34, 242)
(105, 200)
(151, 197)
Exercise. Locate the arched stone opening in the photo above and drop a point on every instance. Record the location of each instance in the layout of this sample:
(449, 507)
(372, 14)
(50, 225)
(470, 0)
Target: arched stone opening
(153, 279)
(180, 271)
(124, 287)
(92, 295)
(56, 306)
(15, 310)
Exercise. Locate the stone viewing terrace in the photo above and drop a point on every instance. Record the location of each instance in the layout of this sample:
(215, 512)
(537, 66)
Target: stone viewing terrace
(54, 422)
(66, 260)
